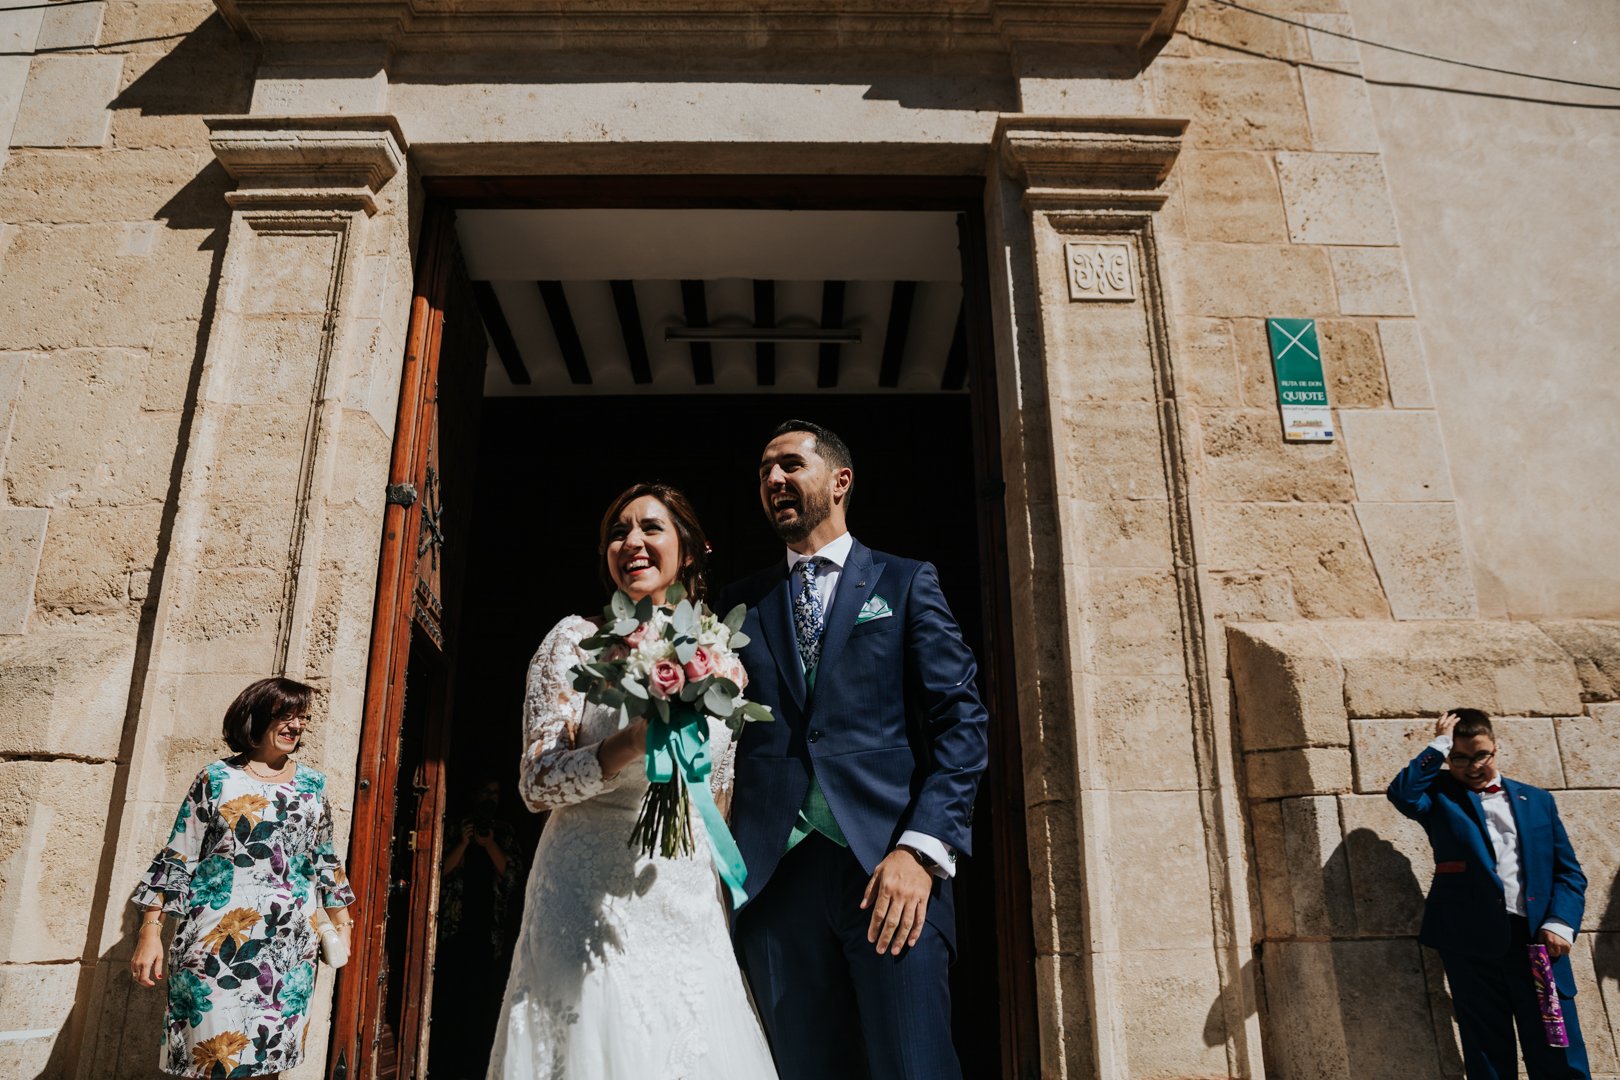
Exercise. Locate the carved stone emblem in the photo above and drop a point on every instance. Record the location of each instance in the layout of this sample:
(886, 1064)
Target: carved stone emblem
(1099, 271)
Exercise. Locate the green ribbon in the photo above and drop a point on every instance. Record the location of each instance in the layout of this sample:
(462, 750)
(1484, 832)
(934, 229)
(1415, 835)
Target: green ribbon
(683, 743)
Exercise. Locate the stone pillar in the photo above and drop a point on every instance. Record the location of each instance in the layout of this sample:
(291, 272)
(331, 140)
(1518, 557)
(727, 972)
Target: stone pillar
(272, 567)
(1140, 894)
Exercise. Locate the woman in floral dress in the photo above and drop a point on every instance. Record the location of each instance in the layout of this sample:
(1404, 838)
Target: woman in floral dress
(248, 863)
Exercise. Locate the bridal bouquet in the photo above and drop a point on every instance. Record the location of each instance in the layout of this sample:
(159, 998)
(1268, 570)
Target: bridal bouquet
(675, 664)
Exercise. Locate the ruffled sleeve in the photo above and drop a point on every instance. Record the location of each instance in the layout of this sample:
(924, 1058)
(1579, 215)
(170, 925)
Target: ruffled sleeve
(555, 770)
(167, 882)
(330, 877)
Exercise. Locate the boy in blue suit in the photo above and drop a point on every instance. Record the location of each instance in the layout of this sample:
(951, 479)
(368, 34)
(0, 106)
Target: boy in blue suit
(1505, 875)
(850, 809)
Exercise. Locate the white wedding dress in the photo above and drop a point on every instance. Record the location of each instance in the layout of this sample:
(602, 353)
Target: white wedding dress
(624, 968)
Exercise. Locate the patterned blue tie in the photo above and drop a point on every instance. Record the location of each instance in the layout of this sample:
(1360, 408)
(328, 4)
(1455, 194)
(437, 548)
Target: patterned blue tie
(808, 616)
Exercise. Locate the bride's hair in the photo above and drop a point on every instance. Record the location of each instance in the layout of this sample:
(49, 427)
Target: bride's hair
(694, 545)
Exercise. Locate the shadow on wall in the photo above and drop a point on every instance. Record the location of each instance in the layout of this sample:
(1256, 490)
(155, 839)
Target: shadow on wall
(1606, 951)
(1350, 995)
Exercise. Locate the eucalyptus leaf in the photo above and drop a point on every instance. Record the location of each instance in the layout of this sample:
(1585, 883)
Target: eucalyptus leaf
(624, 626)
(728, 686)
(675, 593)
(757, 713)
(635, 689)
(738, 640)
(685, 617)
(717, 701)
(663, 709)
(734, 618)
(685, 650)
(691, 692)
(622, 606)
(644, 609)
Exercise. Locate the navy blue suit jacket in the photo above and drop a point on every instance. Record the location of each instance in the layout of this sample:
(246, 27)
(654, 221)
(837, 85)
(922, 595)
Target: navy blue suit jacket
(895, 731)
(1466, 911)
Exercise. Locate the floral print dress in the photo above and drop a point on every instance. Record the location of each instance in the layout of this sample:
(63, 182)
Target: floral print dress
(246, 866)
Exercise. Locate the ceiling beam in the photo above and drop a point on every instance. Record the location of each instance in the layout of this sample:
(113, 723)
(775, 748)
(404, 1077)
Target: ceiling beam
(562, 324)
(894, 338)
(506, 347)
(765, 318)
(694, 301)
(832, 317)
(635, 342)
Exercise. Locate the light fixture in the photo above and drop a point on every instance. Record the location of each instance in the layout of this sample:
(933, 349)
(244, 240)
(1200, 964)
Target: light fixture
(784, 335)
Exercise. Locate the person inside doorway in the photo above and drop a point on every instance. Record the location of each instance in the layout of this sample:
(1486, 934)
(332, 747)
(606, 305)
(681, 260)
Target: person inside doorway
(479, 890)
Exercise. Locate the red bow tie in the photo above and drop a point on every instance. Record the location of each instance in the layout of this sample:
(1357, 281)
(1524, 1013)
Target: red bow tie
(1490, 789)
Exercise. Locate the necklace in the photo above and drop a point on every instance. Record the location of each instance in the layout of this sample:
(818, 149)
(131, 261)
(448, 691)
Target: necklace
(274, 774)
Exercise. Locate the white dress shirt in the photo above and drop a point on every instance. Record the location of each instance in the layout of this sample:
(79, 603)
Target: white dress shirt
(1503, 830)
(836, 552)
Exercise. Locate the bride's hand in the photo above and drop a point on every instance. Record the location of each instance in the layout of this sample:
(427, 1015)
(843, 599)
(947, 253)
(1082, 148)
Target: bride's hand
(622, 747)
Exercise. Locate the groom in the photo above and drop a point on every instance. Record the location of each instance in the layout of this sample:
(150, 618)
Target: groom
(851, 808)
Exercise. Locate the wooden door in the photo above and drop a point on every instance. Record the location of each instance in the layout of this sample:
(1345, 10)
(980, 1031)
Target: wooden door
(380, 1018)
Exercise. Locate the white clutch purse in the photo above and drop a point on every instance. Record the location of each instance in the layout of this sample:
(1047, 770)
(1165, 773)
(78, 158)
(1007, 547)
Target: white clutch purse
(333, 951)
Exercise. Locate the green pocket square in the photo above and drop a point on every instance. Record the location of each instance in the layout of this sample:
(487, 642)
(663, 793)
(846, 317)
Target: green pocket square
(875, 608)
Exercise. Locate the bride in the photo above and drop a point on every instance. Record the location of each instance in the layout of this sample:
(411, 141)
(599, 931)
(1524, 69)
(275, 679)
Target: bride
(624, 965)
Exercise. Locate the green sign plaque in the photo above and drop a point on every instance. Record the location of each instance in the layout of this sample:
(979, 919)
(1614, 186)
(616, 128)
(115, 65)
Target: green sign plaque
(1296, 357)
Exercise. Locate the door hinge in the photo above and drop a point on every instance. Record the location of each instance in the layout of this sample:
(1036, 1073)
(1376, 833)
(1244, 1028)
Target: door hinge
(401, 494)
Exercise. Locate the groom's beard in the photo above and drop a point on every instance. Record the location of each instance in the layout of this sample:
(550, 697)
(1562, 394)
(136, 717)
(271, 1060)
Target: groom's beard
(814, 508)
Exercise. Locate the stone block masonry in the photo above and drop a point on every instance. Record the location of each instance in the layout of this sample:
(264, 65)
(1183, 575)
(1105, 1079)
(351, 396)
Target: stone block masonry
(1341, 875)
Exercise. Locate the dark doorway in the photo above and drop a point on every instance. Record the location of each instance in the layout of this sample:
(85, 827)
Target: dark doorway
(549, 466)
(587, 391)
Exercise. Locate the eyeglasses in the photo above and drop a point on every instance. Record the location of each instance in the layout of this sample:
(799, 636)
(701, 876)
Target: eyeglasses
(1458, 761)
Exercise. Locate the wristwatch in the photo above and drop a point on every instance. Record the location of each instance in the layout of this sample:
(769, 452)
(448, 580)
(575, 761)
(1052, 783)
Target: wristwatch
(928, 862)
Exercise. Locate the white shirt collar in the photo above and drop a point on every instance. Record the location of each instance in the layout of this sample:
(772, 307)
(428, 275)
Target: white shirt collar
(834, 551)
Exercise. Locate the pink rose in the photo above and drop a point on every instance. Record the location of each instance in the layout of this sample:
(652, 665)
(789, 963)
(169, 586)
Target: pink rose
(665, 680)
(701, 666)
(732, 668)
(635, 637)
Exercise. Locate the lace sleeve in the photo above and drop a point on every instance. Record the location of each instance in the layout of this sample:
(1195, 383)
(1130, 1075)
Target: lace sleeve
(555, 771)
(722, 778)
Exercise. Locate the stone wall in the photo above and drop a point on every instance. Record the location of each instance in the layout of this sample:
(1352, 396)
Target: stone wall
(1327, 713)
(1282, 209)
(197, 393)
(1510, 239)
(112, 222)
(1154, 502)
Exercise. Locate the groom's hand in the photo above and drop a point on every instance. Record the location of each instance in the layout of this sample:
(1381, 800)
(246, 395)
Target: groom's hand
(898, 897)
